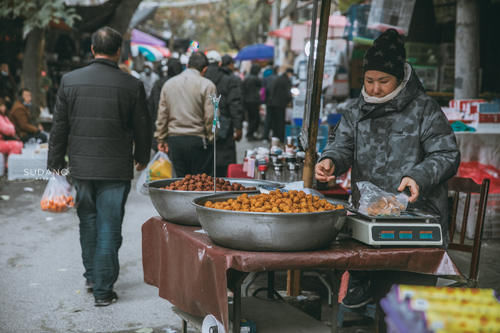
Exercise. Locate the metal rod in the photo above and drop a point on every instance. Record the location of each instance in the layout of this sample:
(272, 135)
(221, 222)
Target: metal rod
(310, 65)
(215, 163)
(315, 106)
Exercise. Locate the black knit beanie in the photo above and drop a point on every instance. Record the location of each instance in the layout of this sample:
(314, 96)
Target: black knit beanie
(386, 55)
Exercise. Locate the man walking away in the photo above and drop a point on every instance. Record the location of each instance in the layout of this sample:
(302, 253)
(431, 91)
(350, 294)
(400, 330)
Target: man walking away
(230, 109)
(268, 82)
(251, 100)
(281, 96)
(101, 119)
(185, 115)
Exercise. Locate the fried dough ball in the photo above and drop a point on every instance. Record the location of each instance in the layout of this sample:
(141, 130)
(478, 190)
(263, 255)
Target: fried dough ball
(276, 202)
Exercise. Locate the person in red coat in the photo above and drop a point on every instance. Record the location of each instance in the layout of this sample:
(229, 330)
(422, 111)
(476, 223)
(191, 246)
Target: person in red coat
(9, 142)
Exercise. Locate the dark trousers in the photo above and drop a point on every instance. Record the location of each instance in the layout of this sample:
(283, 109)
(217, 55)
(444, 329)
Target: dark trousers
(190, 155)
(278, 122)
(101, 207)
(267, 123)
(252, 110)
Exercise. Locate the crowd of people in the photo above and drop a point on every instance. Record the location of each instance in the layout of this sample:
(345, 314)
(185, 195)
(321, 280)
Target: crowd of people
(108, 119)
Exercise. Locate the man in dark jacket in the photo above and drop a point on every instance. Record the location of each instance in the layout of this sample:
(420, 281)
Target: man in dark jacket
(174, 67)
(230, 110)
(396, 137)
(251, 100)
(280, 97)
(101, 121)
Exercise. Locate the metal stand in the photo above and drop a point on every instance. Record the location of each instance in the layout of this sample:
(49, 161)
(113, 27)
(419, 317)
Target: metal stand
(215, 125)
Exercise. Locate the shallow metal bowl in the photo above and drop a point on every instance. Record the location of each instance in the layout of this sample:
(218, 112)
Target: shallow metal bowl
(252, 231)
(175, 206)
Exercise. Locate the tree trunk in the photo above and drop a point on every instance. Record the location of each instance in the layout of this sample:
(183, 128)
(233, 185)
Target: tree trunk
(467, 50)
(123, 15)
(32, 65)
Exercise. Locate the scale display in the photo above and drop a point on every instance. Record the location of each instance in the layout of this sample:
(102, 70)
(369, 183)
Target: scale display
(402, 232)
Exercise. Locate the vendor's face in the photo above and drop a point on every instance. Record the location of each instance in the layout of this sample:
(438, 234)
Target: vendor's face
(379, 84)
(3, 108)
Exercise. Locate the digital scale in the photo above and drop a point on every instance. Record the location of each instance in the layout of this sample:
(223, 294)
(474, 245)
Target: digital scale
(411, 228)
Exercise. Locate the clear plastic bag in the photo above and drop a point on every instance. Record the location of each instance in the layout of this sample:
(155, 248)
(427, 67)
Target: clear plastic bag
(58, 195)
(160, 167)
(377, 202)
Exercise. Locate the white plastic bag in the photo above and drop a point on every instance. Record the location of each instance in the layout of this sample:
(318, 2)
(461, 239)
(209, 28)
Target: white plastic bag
(58, 195)
(160, 167)
(376, 202)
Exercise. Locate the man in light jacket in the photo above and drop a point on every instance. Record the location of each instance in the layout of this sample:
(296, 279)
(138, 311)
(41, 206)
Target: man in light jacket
(185, 115)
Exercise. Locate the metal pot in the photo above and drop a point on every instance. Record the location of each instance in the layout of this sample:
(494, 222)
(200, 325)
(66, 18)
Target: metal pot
(175, 206)
(252, 231)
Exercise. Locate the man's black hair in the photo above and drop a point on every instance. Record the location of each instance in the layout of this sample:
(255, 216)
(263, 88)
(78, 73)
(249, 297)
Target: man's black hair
(289, 70)
(227, 60)
(23, 90)
(198, 60)
(174, 67)
(106, 41)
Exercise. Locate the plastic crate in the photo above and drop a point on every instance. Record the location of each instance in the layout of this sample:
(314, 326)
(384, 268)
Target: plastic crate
(2, 165)
(396, 14)
(429, 76)
(489, 108)
(27, 166)
(294, 131)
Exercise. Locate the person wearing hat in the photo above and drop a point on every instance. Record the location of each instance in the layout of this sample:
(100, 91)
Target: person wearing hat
(148, 77)
(394, 136)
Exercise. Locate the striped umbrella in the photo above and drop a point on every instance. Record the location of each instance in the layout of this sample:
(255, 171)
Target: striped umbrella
(151, 53)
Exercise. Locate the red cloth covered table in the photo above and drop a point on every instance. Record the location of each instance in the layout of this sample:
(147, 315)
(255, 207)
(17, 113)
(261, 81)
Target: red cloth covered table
(193, 273)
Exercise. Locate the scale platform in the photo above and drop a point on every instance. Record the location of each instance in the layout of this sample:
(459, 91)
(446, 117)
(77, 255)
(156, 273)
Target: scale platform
(411, 229)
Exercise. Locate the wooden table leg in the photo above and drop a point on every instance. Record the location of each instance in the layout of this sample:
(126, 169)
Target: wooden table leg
(293, 282)
(184, 326)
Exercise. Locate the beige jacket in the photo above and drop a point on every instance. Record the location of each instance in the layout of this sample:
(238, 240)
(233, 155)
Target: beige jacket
(185, 107)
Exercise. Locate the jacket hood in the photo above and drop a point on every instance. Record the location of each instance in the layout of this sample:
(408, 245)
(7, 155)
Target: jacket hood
(214, 73)
(409, 93)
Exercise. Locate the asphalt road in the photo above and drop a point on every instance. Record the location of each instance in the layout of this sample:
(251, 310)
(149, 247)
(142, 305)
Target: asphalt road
(41, 282)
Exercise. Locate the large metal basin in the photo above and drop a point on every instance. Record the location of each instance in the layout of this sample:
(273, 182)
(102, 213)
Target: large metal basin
(253, 231)
(176, 207)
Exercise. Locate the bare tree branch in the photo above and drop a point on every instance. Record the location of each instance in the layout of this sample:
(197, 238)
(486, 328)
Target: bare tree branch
(229, 25)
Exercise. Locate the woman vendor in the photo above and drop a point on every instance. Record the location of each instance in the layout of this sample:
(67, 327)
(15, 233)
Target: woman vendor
(396, 137)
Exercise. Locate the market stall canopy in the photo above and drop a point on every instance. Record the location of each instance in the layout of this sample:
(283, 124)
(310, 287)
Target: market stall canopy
(144, 38)
(255, 52)
(334, 21)
(285, 33)
(150, 52)
(336, 25)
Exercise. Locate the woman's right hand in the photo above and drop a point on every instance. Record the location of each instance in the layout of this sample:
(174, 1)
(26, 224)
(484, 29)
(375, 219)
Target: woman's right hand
(324, 170)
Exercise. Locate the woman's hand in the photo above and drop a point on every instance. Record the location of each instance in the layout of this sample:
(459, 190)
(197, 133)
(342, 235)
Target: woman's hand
(414, 189)
(324, 170)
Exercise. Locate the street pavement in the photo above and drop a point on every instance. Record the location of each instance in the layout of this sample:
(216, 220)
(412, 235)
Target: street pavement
(41, 284)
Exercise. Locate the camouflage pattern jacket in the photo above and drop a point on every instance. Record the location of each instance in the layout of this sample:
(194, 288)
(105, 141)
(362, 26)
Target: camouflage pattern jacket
(406, 136)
